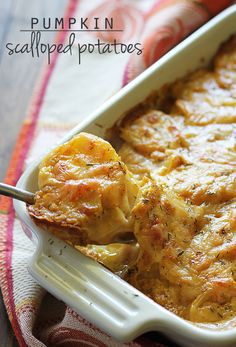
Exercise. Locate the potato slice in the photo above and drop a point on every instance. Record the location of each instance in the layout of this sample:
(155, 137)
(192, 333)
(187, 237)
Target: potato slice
(118, 257)
(85, 192)
(202, 101)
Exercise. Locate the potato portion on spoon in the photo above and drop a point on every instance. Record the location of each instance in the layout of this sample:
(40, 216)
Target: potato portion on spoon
(85, 192)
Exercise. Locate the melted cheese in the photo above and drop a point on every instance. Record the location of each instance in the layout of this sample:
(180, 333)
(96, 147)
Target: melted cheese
(202, 100)
(118, 257)
(85, 191)
(175, 190)
(185, 214)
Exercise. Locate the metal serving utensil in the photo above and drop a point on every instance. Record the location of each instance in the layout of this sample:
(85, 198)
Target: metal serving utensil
(16, 193)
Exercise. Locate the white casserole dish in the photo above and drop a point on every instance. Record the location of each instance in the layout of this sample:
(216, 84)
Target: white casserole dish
(91, 290)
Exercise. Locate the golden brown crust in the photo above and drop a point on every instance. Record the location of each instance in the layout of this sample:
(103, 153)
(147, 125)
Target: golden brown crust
(182, 208)
(185, 215)
(202, 101)
(85, 190)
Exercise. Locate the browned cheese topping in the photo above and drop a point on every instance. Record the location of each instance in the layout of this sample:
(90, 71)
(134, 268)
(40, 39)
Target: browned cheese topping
(185, 214)
(172, 184)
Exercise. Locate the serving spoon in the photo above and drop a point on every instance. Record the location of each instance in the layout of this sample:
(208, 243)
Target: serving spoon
(16, 193)
(29, 198)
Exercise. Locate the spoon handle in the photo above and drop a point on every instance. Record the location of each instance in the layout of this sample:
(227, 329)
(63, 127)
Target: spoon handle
(17, 193)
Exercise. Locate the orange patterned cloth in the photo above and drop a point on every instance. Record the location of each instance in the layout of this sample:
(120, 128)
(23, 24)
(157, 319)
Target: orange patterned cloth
(60, 101)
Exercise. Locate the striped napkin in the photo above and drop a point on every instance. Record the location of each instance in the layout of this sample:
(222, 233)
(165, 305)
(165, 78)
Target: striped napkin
(64, 95)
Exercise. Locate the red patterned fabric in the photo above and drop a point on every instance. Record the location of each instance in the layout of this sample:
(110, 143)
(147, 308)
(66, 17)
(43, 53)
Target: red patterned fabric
(126, 17)
(166, 24)
(37, 318)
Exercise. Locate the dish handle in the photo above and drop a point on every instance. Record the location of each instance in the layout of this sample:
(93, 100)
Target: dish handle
(93, 291)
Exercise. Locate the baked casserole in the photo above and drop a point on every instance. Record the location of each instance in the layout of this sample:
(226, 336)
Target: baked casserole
(171, 184)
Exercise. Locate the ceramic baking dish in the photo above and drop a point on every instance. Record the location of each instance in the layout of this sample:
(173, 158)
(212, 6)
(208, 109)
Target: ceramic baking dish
(90, 289)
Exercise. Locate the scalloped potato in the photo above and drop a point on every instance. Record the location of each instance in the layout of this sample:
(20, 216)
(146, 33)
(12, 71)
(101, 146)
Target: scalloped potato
(172, 185)
(85, 192)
